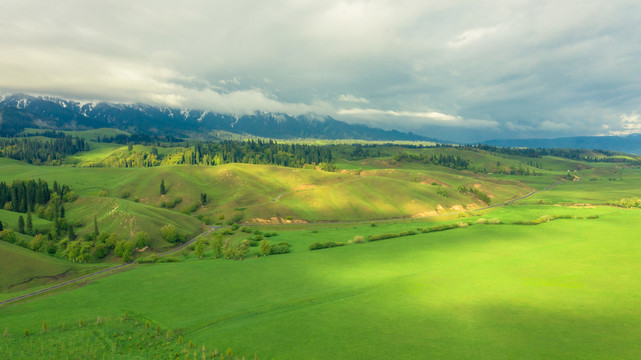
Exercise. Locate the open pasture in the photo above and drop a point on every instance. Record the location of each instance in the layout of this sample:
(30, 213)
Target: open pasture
(562, 289)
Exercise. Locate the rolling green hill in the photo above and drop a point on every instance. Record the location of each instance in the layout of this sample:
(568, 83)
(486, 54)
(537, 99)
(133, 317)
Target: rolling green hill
(22, 268)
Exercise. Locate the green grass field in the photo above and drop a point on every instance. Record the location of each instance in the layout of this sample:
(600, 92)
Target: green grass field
(23, 269)
(566, 288)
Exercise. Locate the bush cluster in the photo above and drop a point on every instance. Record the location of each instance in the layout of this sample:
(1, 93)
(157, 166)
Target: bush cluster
(325, 245)
(171, 204)
(542, 219)
(390, 235)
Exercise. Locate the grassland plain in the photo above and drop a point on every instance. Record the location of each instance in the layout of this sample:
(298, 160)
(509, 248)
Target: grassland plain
(563, 289)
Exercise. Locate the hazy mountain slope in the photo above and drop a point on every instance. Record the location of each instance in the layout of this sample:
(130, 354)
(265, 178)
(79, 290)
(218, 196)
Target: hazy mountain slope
(630, 143)
(21, 111)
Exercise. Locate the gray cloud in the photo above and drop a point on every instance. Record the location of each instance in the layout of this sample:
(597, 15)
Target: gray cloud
(462, 70)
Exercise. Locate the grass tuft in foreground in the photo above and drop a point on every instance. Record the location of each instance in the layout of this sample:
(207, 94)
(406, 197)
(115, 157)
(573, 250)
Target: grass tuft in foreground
(102, 338)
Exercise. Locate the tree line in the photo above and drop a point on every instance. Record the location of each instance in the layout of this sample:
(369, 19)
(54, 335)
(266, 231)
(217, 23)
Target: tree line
(450, 161)
(42, 152)
(572, 154)
(225, 152)
(23, 195)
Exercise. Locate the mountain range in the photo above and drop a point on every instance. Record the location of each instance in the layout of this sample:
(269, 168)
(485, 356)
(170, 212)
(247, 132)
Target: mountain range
(18, 112)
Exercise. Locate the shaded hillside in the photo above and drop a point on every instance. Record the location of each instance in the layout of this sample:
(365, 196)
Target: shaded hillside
(18, 112)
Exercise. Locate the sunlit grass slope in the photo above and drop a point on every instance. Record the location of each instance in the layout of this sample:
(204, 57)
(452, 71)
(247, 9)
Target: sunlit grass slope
(266, 192)
(563, 289)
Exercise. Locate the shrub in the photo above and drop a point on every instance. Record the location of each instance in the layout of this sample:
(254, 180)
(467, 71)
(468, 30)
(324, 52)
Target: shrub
(101, 250)
(462, 224)
(315, 246)
(170, 233)
(8, 236)
(593, 217)
(141, 239)
(284, 243)
(494, 221)
(265, 248)
(382, 237)
(169, 259)
(481, 221)
(191, 208)
(279, 249)
(171, 204)
(358, 239)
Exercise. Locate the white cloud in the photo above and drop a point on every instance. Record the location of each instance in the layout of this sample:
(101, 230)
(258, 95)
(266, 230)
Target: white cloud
(474, 35)
(418, 118)
(352, 98)
(629, 124)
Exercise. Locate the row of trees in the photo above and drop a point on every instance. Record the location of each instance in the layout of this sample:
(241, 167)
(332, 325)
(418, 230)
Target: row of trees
(225, 152)
(42, 152)
(476, 192)
(25, 195)
(572, 154)
(448, 160)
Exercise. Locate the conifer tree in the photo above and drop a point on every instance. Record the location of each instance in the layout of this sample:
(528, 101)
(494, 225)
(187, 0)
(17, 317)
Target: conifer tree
(163, 191)
(29, 224)
(95, 227)
(21, 224)
(70, 233)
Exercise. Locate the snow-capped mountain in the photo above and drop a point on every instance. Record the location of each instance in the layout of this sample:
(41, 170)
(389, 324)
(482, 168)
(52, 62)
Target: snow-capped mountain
(22, 111)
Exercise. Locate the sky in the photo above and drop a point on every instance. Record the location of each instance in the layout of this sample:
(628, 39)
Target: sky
(455, 70)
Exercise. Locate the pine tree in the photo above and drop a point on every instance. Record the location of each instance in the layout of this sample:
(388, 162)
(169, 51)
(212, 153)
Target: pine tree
(21, 224)
(163, 191)
(95, 227)
(70, 233)
(29, 224)
(1, 226)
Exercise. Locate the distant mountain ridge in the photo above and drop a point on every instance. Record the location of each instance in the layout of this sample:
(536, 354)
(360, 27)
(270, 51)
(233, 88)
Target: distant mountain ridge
(23, 111)
(629, 143)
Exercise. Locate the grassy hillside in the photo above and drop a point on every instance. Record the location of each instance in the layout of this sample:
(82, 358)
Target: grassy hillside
(126, 218)
(485, 291)
(22, 268)
(265, 192)
(10, 221)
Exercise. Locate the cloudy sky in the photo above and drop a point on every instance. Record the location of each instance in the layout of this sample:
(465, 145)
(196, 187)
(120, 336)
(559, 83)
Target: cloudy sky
(460, 70)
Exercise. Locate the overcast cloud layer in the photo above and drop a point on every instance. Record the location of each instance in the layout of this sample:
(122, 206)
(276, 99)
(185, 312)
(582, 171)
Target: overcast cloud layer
(463, 70)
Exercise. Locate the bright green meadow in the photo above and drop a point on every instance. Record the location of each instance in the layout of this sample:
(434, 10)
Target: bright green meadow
(555, 275)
